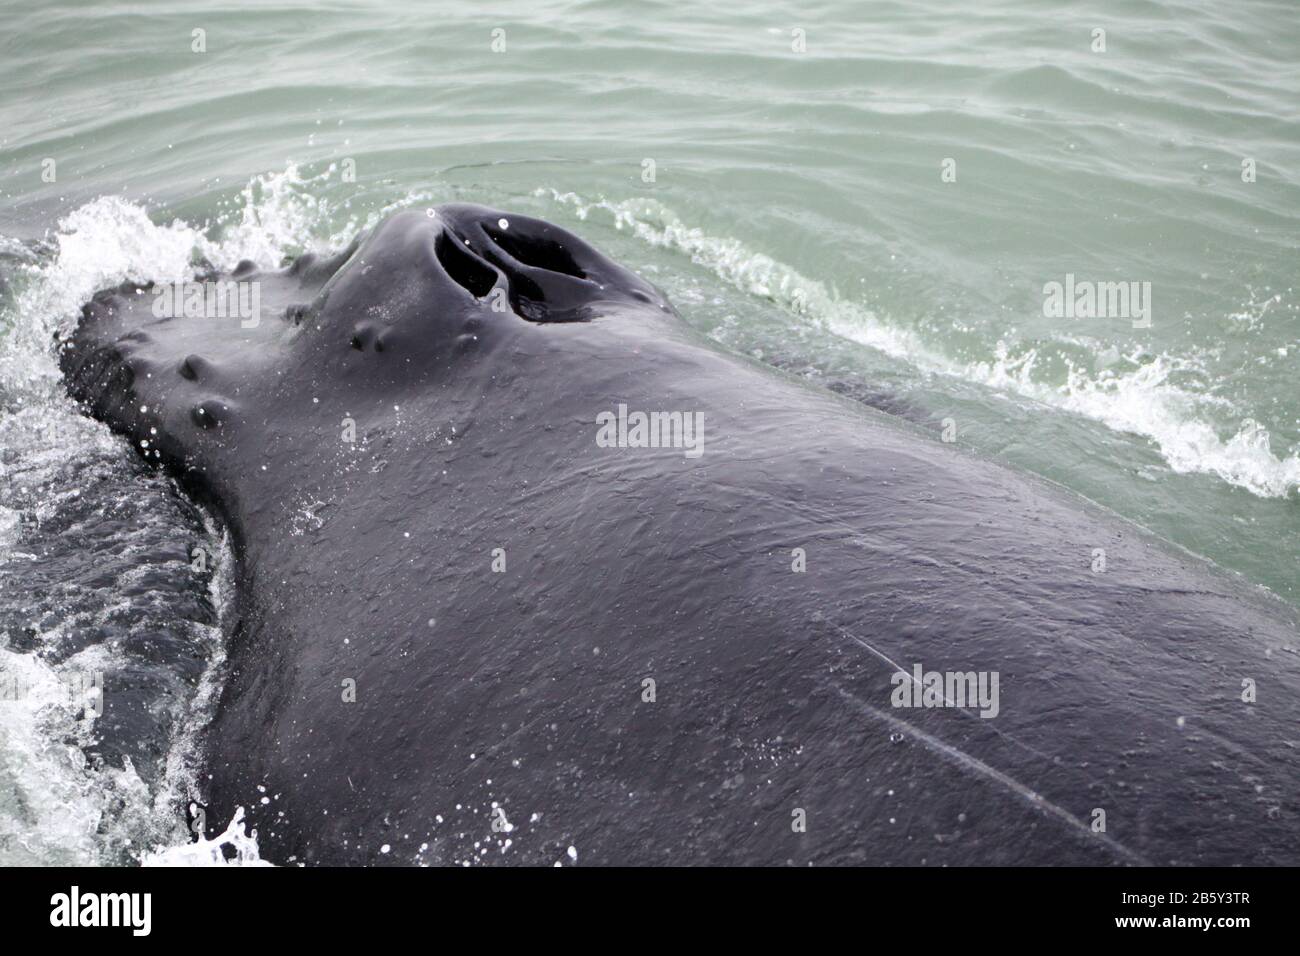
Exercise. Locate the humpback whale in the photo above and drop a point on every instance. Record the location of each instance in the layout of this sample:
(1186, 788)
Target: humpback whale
(484, 615)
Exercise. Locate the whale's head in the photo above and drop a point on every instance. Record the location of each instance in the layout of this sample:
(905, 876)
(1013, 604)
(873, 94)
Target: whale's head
(427, 298)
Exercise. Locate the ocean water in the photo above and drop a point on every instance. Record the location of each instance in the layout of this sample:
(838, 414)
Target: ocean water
(874, 196)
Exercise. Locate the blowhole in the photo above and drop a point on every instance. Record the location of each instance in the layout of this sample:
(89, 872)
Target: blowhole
(469, 271)
(536, 251)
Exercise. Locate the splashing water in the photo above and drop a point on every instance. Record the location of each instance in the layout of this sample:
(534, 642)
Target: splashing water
(74, 788)
(243, 847)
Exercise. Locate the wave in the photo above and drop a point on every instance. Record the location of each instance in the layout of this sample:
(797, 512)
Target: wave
(1136, 395)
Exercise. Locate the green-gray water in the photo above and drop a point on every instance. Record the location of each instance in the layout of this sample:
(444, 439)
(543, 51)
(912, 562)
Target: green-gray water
(869, 194)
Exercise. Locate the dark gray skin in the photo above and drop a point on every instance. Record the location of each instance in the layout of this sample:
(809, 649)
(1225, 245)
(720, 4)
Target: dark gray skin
(476, 429)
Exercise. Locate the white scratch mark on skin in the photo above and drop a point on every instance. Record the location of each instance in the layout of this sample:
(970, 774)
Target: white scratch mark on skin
(1032, 797)
(946, 699)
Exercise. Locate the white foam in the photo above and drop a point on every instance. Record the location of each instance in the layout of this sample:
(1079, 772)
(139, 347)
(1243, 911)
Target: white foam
(109, 241)
(10, 529)
(51, 818)
(212, 852)
(101, 244)
(55, 810)
(1144, 401)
